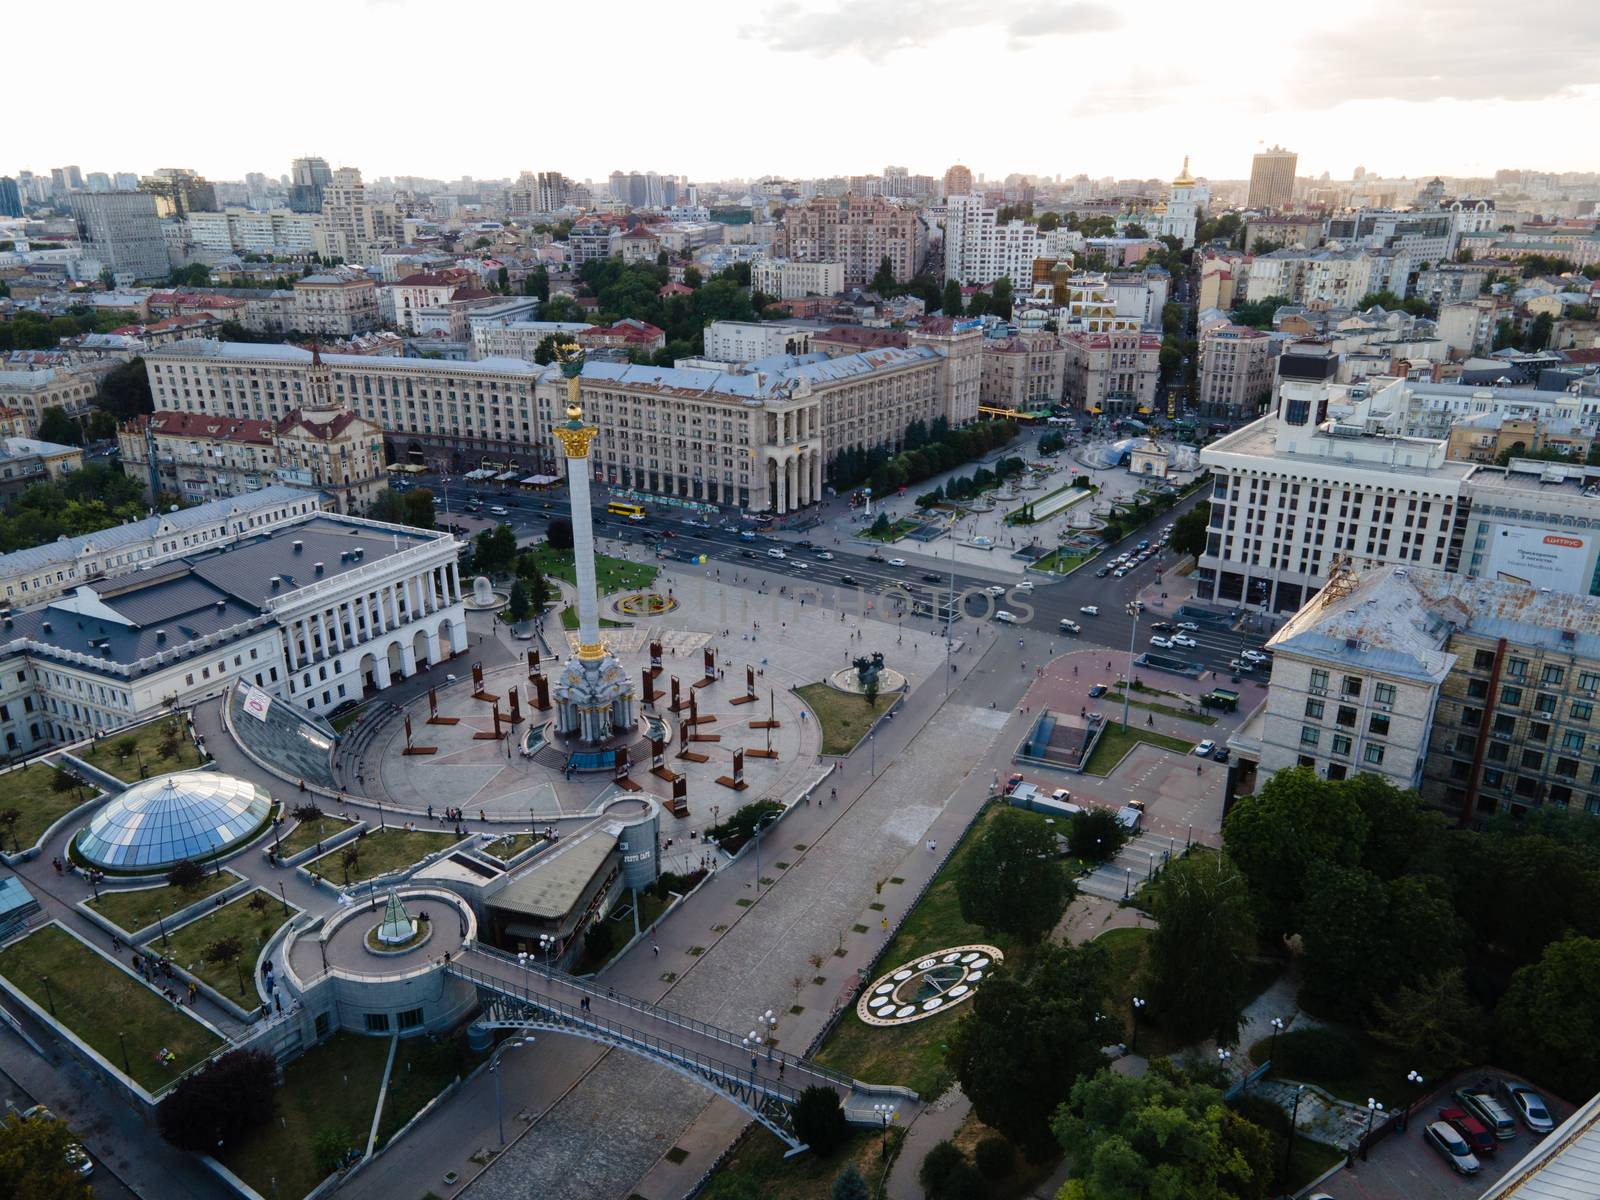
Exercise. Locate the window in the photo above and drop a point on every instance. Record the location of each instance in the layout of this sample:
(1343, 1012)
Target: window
(1379, 724)
(1383, 693)
(1308, 735)
(409, 1019)
(1582, 710)
(1319, 679)
(1517, 668)
(1544, 703)
(1373, 755)
(377, 1022)
(1493, 778)
(322, 1025)
(1465, 743)
(1511, 696)
(1538, 731)
(1478, 689)
(1305, 760)
(1314, 710)
(1567, 768)
(1504, 725)
(1499, 752)
(1336, 771)
(1341, 744)
(1588, 681)
(1552, 675)
(1483, 660)
(1572, 740)
(1352, 685)
(1346, 716)
(1472, 717)
(1532, 760)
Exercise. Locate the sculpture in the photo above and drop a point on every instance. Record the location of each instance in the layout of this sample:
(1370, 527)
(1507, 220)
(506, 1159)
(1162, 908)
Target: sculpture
(868, 669)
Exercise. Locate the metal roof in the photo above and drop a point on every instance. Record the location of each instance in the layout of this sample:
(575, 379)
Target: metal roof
(1564, 1166)
(554, 882)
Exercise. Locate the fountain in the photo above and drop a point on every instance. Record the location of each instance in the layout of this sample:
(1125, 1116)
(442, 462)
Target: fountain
(484, 595)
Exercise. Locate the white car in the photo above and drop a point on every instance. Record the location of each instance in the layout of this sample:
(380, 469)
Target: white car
(1120, 572)
(1025, 586)
(799, 564)
(1005, 618)
(1161, 643)
(995, 591)
(897, 562)
(1204, 749)
(1254, 656)
(824, 555)
(1183, 639)
(1090, 610)
(1190, 625)
(498, 510)
(776, 553)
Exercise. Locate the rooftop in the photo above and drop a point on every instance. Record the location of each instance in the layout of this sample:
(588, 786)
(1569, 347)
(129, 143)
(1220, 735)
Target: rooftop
(555, 881)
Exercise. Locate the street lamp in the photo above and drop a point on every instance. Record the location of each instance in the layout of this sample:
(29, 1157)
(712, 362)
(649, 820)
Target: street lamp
(760, 825)
(752, 1044)
(494, 1069)
(1127, 684)
(1294, 1114)
(1415, 1079)
(1138, 1003)
(768, 1024)
(1373, 1109)
(1223, 1055)
(547, 946)
(885, 1114)
(1277, 1028)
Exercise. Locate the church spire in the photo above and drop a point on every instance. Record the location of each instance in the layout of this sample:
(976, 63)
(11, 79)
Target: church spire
(1183, 179)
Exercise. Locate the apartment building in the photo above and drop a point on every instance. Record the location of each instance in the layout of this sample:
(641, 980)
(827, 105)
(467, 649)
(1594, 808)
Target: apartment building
(1113, 373)
(278, 231)
(26, 391)
(1025, 373)
(1468, 327)
(793, 280)
(746, 341)
(352, 227)
(520, 339)
(858, 232)
(25, 461)
(337, 303)
(428, 290)
(979, 249)
(1235, 378)
(122, 230)
(1337, 278)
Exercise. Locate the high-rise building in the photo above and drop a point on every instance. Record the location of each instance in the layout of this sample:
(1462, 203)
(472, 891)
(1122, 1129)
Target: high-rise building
(978, 249)
(1272, 178)
(10, 197)
(858, 231)
(958, 181)
(179, 191)
(74, 179)
(307, 179)
(58, 181)
(354, 228)
(124, 231)
(125, 181)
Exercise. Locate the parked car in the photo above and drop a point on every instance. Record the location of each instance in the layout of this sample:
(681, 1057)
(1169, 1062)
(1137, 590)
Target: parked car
(1090, 610)
(1254, 656)
(1480, 1102)
(1161, 643)
(1221, 755)
(1012, 781)
(1470, 1128)
(1529, 1105)
(1450, 1147)
(1061, 795)
(1239, 664)
(1097, 691)
(1205, 748)
(1005, 618)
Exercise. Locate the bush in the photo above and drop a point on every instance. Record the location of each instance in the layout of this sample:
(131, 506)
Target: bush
(946, 1174)
(819, 1120)
(995, 1157)
(187, 874)
(1317, 1054)
(559, 534)
(221, 1103)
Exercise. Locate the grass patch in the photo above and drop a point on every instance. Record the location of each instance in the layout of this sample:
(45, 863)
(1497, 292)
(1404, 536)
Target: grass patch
(1059, 562)
(346, 719)
(97, 1002)
(508, 847)
(845, 718)
(380, 851)
(757, 1168)
(423, 1067)
(913, 1055)
(131, 911)
(1114, 743)
(744, 902)
(187, 944)
(1129, 952)
(122, 754)
(37, 804)
(611, 574)
(1368, 1073)
(333, 1086)
(569, 620)
(309, 833)
(1307, 1160)
(896, 530)
(1166, 710)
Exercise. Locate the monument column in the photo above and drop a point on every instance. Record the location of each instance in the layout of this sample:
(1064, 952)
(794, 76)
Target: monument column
(576, 438)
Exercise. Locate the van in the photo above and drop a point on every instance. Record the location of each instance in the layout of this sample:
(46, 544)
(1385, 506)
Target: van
(1481, 1103)
(1068, 625)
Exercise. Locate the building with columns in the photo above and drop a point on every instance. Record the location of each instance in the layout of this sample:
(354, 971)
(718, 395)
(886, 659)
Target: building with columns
(317, 612)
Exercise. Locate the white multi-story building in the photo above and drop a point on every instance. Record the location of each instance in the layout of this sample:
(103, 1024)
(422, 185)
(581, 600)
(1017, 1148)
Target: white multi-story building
(1338, 278)
(978, 249)
(26, 392)
(793, 280)
(519, 339)
(246, 231)
(123, 231)
(746, 341)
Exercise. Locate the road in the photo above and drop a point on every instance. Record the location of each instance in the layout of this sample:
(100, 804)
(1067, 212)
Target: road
(853, 567)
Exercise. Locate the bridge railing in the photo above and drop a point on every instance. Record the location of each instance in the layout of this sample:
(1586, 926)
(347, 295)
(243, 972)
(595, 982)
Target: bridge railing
(665, 1015)
(571, 1014)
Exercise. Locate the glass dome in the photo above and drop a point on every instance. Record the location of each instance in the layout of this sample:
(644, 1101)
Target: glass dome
(162, 821)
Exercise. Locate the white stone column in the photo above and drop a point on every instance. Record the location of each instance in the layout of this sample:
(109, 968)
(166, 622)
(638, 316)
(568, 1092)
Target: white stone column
(408, 659)
(583, 552)
(380, 670)
(433, 645)
(455, 583)
(781, 470)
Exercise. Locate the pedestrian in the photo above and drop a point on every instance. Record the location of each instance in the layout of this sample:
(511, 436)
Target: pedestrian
(833, 793)
(1197, 768)
(655, 949)
(886, 924)
(430, 812)
(933, 847)
(56, 863)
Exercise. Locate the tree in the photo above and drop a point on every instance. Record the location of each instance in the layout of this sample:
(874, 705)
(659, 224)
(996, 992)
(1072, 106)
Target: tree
(1538, 336)
(1432, 1024)
(819, 1120)
(537, 283)
(125, 390)
(330, 1145)
(950, 304)
(559, 534)
(870, 691)
(419, 509)
(503, 278)
(1201, 948)
(193, 275)
(1549, 1019)
(186, 875)
(34, 1161)
(1049, 221)
(848, 1185)
(1259, 314)
(226, 951)
(1095, 835)
(1276, 836)
(1160, 1135)
(1000, 298)
(945, 1174)
(62, 782)
(9, 819)
(1009, 880)
(221, 1103)
(520, 606)
(1189, 531)
(692, 277)
(494, 550)
(350, 858)
(56, 426)
(1033, 1030)
(883, 280)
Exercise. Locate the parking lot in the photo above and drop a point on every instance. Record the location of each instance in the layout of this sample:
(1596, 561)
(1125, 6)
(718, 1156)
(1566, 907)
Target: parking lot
(1404, 1167)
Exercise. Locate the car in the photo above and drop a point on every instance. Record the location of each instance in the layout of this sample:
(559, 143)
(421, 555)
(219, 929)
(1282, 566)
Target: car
(1184, 640)
(638, 517)
(932, 577)
(876, 557)
(1090, 610)
(77, 1157)
(1097, 691)
(693, 524)
(1239, 664)
(849, 580)
(824, 555)
(1162, 626)
(474, 505)
(498, 510)
(995, 590)
(1161, 643)
(650, 535)
(1145, 544)
(775, 552)
(1204, 749)
(1254, 656)
(1012, 780)
(1470, 1128)
(1480, 1102)
(805, 544)
(1102, 572)
(1529, 1105)
(1061, 796)
(1025, 586)
(1119, 572)
(1005, 618)
(340, 709)
(897, 562)
(1189, 625)
(799, 564)
(667, 533)
(1450, 1147)
(1221, 755)
(1068, 625)
(748, 554)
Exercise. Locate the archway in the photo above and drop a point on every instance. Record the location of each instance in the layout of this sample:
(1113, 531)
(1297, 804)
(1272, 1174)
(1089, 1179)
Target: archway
(367, 672)
(419, 650)
(396, 662)
(447, 640)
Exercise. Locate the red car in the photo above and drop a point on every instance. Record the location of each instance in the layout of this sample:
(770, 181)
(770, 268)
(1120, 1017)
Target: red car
(1477, 1134)
(1011, 783)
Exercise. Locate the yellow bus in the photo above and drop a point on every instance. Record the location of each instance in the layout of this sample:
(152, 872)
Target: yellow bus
(618, 508)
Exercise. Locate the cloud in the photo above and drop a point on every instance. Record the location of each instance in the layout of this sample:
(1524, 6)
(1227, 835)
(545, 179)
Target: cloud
(874, 29)
(1458, 49)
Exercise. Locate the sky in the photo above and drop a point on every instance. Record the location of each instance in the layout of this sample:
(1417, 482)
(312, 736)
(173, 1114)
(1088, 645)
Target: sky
(717, 89)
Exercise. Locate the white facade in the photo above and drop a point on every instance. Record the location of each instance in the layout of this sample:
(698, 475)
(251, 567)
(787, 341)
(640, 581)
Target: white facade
(979, 250)
(793, 280)
(1338, 278)
(746, 341)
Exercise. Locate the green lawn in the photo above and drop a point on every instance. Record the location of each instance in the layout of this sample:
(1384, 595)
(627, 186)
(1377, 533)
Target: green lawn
(1129, 951)
(97, 1002)
(845, 718)
(133, 910)
(508, 847)
(333, 1086)
(569, 620)
(186, 945)
(1059, 562)
(895, 531)
(913, 1055)
(620, 923)
(380, 851)
(308, 833)
(1166, 710)
(143, 747)
(423, 1067)
(757, 1168)
(611, 574)
(346, 719)
(1114, 743)
(38, 806)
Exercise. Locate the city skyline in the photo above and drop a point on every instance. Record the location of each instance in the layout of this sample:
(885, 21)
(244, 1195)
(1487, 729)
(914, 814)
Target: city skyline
(1135, 100)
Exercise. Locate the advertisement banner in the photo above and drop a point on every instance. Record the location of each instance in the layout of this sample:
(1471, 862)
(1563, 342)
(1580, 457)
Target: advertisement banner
(1563, 562)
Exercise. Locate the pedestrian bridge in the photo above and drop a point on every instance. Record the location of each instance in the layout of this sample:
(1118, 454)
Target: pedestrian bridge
(767, 1085)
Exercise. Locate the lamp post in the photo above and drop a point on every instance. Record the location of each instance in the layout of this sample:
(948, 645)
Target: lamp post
(284, 896)
(760, 825)
(48, 995)
(885, 1114)
(161, 920)
(752, 1044)
(768, 1024)
(872, 740)
(123, 1042)
(547, 946)
(1373, 1109)
(1223, 1055)
(1127, 684)
(494, 1069)
(1415, 1079)
(1294, 1114)
(1277, 1028)
(1138, 1003)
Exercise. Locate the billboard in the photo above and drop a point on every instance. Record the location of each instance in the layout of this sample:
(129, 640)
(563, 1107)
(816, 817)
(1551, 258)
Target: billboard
(1563, 562)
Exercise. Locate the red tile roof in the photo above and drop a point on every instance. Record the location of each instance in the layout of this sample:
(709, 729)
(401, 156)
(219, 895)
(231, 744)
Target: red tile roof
(170, 423)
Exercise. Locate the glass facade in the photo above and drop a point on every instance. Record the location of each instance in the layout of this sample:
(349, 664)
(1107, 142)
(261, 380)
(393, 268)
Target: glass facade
(159, 822)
